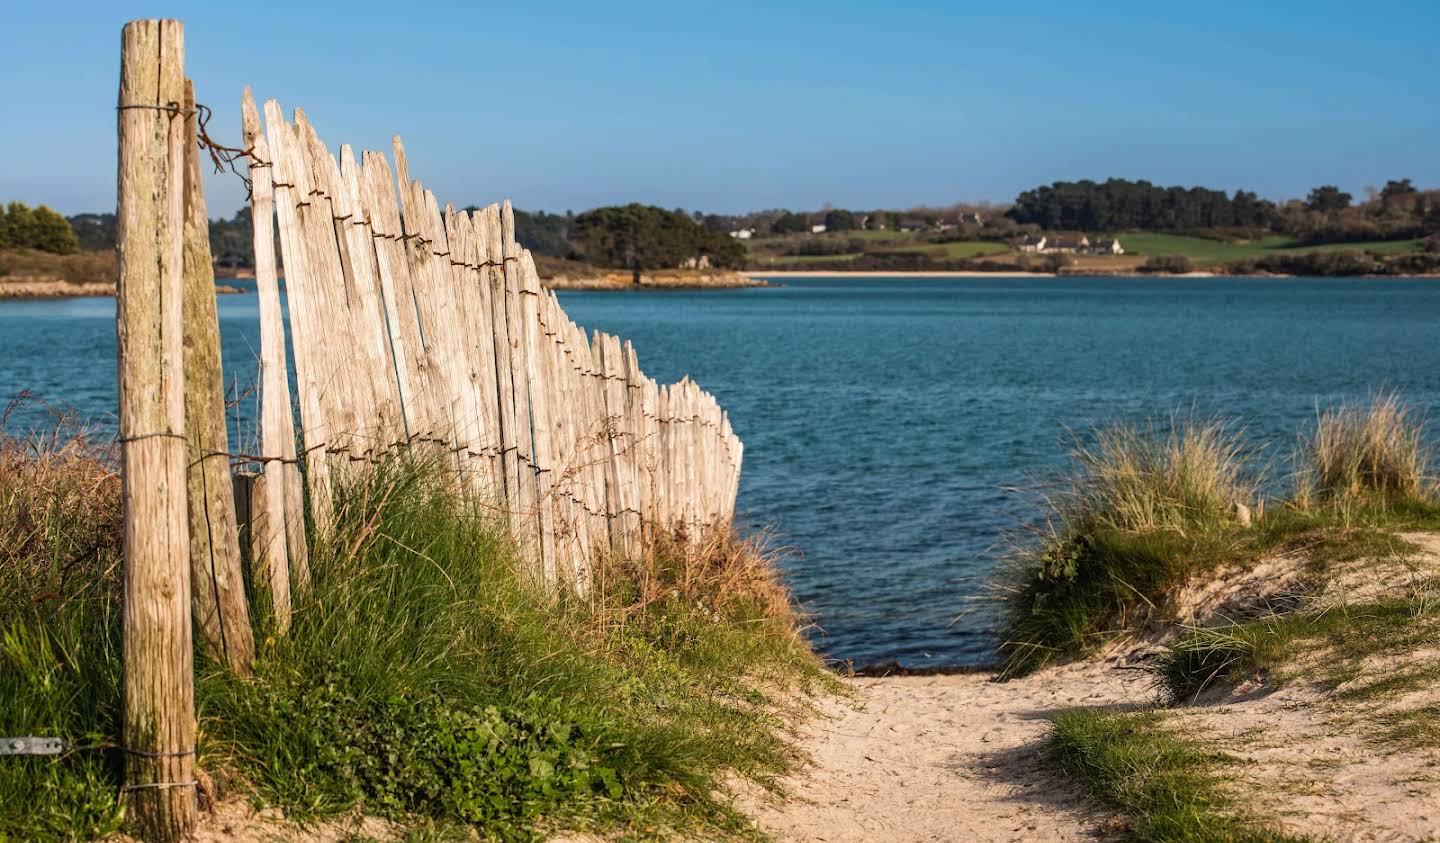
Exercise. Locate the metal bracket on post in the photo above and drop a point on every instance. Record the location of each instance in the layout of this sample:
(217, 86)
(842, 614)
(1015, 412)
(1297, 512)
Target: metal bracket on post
(31, 746)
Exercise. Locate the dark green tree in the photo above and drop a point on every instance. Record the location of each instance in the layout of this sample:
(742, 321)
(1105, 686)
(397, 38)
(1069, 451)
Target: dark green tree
(788, 223)
(53, 233)
(1327, 198)
(839, 220)
(1119, 204)
(18, 226)
(38, 228)
(1395, 188)
(94, 232)
(643, 237)
(546, 234)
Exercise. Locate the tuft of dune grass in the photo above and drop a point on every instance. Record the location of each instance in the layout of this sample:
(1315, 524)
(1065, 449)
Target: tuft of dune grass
(1369, 453)
(1139, 509)
(1181, 477)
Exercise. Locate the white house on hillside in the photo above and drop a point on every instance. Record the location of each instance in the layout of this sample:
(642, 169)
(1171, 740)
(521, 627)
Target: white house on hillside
(743, 233)
(817, 229)
(1067, 244)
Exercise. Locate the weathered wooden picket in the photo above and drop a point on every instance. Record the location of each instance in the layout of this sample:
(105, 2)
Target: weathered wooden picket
(413, 330)
(417, 328)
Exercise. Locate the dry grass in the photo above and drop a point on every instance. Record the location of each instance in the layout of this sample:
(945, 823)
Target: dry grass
(60, 511)
(1373, 453)
(1185, 476)
(718, 571)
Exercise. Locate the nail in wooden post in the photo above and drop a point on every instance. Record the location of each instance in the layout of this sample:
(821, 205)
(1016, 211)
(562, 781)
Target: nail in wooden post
(159, 697)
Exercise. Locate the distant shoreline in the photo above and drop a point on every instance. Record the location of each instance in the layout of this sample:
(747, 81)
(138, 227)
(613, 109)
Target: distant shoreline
(896, 273)
(840, 273)
(30, 288)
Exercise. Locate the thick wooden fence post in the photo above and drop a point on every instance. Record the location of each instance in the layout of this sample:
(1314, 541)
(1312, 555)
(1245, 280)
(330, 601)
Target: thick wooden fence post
(159, 696)
(218, 598)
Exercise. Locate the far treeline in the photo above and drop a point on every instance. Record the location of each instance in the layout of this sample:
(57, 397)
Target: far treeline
(632, 237)
(638, 237)
(1397, 211)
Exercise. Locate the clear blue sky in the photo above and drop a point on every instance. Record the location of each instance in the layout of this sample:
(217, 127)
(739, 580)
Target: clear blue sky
(739, 105)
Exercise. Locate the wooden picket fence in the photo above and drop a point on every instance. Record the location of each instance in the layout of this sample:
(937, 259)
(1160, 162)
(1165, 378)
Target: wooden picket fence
(415, 331)
(422, 329)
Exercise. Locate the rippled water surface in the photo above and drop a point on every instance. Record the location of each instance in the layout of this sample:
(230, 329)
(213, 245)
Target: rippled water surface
(884, 419)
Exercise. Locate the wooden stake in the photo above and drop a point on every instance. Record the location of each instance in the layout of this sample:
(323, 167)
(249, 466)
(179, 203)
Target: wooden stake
(282, 544)
(217, 584)
(159, 699)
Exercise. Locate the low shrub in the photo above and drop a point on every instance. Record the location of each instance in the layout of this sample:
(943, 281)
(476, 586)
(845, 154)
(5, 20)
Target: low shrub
(1172, 264)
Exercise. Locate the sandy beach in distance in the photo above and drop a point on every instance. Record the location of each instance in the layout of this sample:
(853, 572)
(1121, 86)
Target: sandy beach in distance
(812, 273)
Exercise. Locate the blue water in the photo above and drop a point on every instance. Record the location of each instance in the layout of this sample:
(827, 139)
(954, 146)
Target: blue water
(885, 419)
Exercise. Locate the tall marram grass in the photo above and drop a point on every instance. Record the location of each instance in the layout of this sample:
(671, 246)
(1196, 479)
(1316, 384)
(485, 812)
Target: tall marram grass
(425, 675)
(1139, 508)
(1143, 509)
(1367, 454)
(1180, 477)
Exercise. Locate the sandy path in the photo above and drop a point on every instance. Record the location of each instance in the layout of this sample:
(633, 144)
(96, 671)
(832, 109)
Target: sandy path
(945, 758)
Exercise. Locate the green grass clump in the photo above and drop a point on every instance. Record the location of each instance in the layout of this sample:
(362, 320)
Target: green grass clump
(59, 633)
(1169, 788)
(1140, 510)
(1340, 640)
(427, 679)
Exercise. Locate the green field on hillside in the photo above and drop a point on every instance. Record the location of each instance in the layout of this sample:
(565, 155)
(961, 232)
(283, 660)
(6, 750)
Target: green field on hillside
(1203, 249)
(960, 249)
(785, 260)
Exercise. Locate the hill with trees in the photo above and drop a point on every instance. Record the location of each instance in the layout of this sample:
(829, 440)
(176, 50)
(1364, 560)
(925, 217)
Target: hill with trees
(1392, 230)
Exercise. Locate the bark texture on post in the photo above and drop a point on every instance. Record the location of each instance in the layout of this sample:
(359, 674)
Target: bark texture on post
(159, 704)
(222, 615)
(283, 539)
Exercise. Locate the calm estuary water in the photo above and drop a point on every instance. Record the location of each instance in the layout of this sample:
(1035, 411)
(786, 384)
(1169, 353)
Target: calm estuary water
(884, 419)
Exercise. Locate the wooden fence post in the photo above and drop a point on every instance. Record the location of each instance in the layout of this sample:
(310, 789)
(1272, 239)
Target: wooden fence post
(222, 614)
(282, 545)
(159, 696)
